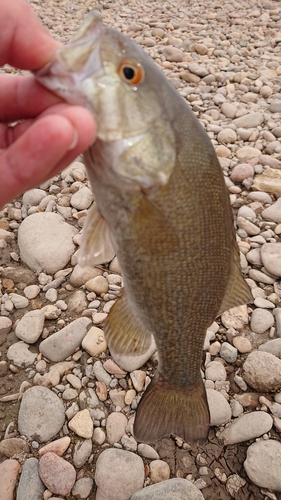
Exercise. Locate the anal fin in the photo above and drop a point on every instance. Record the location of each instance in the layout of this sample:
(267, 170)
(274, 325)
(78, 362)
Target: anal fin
(124, 332)
(167, 409)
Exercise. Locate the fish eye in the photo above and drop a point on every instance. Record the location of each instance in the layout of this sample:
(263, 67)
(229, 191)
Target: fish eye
(131, 72)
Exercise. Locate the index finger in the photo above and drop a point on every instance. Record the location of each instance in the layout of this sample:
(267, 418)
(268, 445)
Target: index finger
(25, 43)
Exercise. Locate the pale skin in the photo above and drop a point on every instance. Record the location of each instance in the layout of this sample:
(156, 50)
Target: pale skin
(52, 133)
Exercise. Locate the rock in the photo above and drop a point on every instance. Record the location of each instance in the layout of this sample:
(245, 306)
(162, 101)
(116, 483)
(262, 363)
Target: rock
(19, 301)
(82, 424)
(82, 199)
(63, 343)
(77, 302)
(30, 326)
(45, 242)
(236, 318)
(41, 414)
(241, 172)
(30, 486)
(275, 106)
(80, 275)
(20, 355)
(262, 371)
(159, 471)
(13, 446)
(247, 426)
(247, 153)
(99, 436)
(57, 474)
(228, 352)
(82, 451)
(271, 258)
(138, 378)
(33, 197)
(59, 446)
(228, 109)
(250, 228)
(115, 427)
(272, 346)
(220, 411)
(146, 451)
(125, 478)
(215, 371)
(260, 276)
(31, 291)
(172, 54)
(252, 119)
(242, 344)
(273, 212)
(99, 285)
(269, 181)
(263, 464)
(9, 470)
(261, 320)
(5, 325)
(83, 487)
(172, 489)
(101, 374)
(94, 342)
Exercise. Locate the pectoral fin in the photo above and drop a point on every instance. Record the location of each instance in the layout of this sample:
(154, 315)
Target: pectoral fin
(124, 333)
(96, 247)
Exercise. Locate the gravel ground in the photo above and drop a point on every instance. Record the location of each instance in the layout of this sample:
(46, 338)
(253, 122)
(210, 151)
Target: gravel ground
(58, 383)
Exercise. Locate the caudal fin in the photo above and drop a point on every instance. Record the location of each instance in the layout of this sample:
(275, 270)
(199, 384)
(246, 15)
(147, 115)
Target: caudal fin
(166, 409)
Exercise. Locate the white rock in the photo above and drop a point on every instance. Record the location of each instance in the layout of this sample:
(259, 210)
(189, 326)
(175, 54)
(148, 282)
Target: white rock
(261, 320)
(159, 471)
(262, 371)
(94, 342)
(82, 199)
(236, 318)
(20, 355)
(263, 464)
(33, 197)
(271, 258)
(82, 424)
(146, 451)
(30, 326)
(45, 242)
(247, 426)
(220, 411)
(31, 291)
(115, 427)
(215, 371)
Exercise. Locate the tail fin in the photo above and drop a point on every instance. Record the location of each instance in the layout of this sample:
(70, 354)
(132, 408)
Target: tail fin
(166, 409)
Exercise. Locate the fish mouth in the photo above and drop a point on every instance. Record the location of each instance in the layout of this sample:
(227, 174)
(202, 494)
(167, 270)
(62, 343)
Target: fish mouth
(75, 62)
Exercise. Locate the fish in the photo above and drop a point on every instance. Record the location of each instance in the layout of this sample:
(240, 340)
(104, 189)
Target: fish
(161, 205)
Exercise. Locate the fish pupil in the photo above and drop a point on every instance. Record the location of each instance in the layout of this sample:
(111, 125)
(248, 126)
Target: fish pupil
(129, 73)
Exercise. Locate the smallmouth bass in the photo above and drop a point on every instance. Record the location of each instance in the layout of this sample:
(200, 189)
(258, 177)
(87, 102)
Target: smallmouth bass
(161, 202)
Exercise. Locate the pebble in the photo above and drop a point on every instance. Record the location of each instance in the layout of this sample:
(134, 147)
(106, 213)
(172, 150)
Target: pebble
(247, 426)
(5, 325)
(272, 346)
(31, 291)
(83, 487)
(94, 342)
(45, 242)
(115, 427)
(57, 474)
(63, 343)
(99, 436)
(273, 212)
(228, 352)
(146, 451)
(138, 378)
(241, 172)
(19, 301)
(271, 258)
(20, 354)
(176, 488)
(242, 344)
(131, 363)
(82, 424)
(30, 326)
(82, 451)
(236, 318)
(159, 471)
(261, 320)
(252, 119)
(41, 414)
(262, 371)
(9, 470)
(82, 199)
(100, 373)
(80, 275)
(125, 478)
(215, 371)
(220, 411)
(263, 464)
(59, 446)
(77, 302)
(99, 285)
(30, 486)
(13, 446)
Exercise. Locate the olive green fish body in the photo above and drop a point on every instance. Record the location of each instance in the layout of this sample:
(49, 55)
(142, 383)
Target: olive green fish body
(159, 188)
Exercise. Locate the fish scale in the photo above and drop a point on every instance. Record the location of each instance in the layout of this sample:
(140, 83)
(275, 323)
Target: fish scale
(162, 206)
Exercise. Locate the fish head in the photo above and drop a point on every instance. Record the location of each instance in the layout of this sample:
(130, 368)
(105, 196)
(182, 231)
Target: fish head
(117, 81)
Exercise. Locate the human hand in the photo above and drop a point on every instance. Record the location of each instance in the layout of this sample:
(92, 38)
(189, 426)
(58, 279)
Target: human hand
(51, 133)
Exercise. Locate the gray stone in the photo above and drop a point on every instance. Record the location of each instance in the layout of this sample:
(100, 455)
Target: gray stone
(19, 301)
(252, 119)
(172, 489)
(262, 371)
(275, 106)
(33, 197)
(101, 374)
(63, 343)
(82, 199)
(220, 411)
(215, 371)
(20, 354)
(45, 242)
(82, 451)
(263, 464)
(248, 426)
(30, 486)
(272, 346)
(271, 258)
(228, 352)
(131, 363)
(277, 315)
(125, 478)
(41, 414)
(83, 487)
(273, 212)
(146, 451)
(30, 326)
(261, 320)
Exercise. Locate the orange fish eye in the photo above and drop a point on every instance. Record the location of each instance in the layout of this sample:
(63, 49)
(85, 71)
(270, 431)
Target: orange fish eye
(131, 72)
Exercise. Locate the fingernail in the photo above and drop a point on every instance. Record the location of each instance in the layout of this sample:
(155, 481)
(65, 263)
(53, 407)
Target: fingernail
(75, 140)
